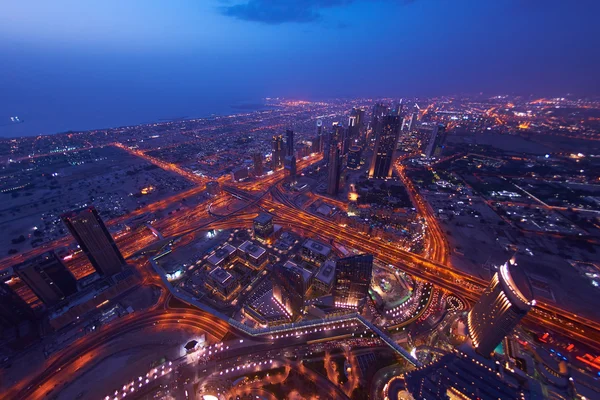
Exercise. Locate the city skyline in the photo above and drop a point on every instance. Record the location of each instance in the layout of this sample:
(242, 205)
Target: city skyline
(90, 53)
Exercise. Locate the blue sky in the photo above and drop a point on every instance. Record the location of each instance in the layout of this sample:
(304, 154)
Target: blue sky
(71, 64)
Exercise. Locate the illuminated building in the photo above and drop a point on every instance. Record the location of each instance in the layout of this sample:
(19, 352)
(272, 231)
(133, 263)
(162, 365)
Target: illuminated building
(436, 141)
(352, 281)
(323, 280)
(457, 376)
(290, 166)
(223, 281)
(315, 252)
(277, 156)
(258, 164)
(239, 174)
(290, 283)
(289, 143)
(320, 136)
(252, 253)
(47, 277)
(263, 226)
(385, 147)
(16, 317)
(95, 240)
(505, 301)
(379, 110)
(354, 155)
(334, 169)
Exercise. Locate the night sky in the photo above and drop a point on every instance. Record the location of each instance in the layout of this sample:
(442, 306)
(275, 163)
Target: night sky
(73, 64)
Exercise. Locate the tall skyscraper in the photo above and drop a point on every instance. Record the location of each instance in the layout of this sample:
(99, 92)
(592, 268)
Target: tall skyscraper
(320, 136)
(290, 284)
(352, 280)
(15, 314)
(290, 166)
(47, 277)
(379, 111)
(437, 141)
(258, 163)
(95, 240)
(334, 169)
(385, 148)
(506, 300)
(289, 142)
(278, 153)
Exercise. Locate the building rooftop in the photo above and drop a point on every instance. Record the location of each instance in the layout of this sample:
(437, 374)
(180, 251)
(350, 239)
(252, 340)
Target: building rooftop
(252, 249)
(306, 275)
(263, 218)
(221, 253)
(221, 276)
(317, 247)
(326, 273)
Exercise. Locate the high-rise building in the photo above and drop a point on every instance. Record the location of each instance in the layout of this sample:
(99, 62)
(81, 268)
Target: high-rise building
(258, 163)
(263, 225)
(15, 314)
(352, 280)
(290, 283)
(290, 166)
(278, 152)
(320, 136)
(289, 142)
(379, 111)
(398, 109)
(505, 301)
(354, 155)
(436, 141)
(47, 277)
(334, 169)
(95, 240)
(385, 148)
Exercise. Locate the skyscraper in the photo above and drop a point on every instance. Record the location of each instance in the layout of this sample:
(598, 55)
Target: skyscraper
(47, 277)
(334, 168)
(352, 280)
(436, 141)
(95, 240)
(385, 148)
(379, 111)
(290, 284)
(277, 157)
(258, 163)
(354, 155)
(290, 166)
(289, 142)
(506, 300)
(320, 136)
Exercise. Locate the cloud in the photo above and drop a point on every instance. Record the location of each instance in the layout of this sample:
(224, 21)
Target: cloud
(275, 12)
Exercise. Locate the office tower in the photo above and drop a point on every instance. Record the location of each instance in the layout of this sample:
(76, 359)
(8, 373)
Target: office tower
(379, 110)
(95, 241)
(258, 163)
(352, 280)
(436, 141)
(385, 148)
(354, 155)
(47, 277)
(320, 136)
(334, 169)
(278, 152)
(289, 142)
(354, 123)
(505, 301)
(290, 284)
(263, 225)
(398, 110)
(290, 166)
(412, 121)
(15, 314)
